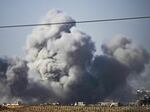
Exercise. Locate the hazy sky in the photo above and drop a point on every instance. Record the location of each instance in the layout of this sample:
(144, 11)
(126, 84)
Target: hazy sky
(12, 41)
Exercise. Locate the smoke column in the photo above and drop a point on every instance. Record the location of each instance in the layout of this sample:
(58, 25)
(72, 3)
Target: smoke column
(60, 65)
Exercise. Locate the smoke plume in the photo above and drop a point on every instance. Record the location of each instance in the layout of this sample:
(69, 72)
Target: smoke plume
(60, 65)
(13, 78)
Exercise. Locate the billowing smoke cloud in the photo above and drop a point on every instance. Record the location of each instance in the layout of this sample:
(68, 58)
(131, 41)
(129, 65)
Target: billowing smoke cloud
(130, 61)
(140, 81)
(13, 78)
(123, 50)
(61, 53)
(61, 66)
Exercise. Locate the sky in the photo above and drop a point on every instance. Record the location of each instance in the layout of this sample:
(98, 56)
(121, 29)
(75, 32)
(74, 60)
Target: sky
(13, 40)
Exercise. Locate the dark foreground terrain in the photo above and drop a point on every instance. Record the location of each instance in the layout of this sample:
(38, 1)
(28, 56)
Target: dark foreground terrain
(74, 109)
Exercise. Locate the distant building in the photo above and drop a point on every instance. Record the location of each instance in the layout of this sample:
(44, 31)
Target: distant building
(79, 104)
(4, 104)
(143, 97)
(52, 103)
(132, 104)
(12, 105)
(115, 104)
(108, 104)
(105, 104)
(55, 103)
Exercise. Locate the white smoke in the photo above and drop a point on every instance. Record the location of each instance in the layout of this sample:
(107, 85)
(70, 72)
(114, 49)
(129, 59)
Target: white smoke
(60, 53)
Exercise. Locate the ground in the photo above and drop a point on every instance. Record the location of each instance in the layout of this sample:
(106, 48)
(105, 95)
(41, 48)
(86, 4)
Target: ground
(47, 108)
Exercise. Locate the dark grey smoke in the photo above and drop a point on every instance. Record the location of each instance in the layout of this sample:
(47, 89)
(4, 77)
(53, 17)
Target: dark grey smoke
(16, 86)
(13, 78)
(61, 66)
(127, 53)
